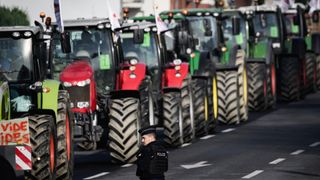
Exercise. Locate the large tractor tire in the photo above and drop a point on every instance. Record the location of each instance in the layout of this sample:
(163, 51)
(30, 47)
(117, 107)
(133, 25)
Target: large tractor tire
(187, 111)
(65, 138)
(311, 73)
(289, 74)
(257, 83)
(212, 113)
(172, 122)
(243, 85)
(199, 89)
(271, 87)
(228, 97)
(124, 123)
(43, 138)
(147, 103)
(318, 71)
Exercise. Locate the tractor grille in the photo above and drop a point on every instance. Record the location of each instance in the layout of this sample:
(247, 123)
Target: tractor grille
(79, 94)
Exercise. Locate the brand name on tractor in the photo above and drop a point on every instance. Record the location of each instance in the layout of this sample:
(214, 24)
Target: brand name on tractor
(14, 132)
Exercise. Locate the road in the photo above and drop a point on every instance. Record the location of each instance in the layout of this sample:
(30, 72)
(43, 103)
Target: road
(282, 144)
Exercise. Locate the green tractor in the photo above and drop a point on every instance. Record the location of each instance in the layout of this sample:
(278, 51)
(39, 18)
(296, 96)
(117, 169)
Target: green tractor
(25, 55)
(219, 63)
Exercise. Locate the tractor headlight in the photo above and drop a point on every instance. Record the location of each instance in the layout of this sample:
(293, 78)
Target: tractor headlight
(67, 84)
(178, 75)
(177, 62)
(133, 61)
(83, 83)
(132, 76)
(83, 104)
(276, 45)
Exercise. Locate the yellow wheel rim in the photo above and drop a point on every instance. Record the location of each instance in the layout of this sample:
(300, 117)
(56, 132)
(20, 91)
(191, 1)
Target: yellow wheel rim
(215, 98)
(206, 108)
(245, 86)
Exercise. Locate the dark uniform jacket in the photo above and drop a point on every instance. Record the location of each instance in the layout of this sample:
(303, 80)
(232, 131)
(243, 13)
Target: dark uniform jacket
(152, 161)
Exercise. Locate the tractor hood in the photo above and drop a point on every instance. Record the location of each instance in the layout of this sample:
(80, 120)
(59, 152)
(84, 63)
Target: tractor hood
(79, 70)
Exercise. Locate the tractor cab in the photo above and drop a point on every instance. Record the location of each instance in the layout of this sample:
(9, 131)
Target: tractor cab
(23, 65)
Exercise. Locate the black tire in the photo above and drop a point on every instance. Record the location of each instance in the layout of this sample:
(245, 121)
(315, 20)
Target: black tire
(257, 83)
(145, 90)
(271, 87)
(65, 138)
(124, 123)
(228, 97)
(172, 112)
(211, 122)
(311, 73)
(243, 85)
(289, 73)
(43, 137)
(199, 89)
(318, 71)
(187, 109)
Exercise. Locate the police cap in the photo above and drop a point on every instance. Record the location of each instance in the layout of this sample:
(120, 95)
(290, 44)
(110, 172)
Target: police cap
(148, 130)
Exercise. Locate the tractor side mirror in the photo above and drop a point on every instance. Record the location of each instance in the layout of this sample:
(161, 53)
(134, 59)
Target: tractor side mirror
(183, 37)
(65, 42)
(235, 25)
(207, 28)
(263, 20)
(138, 36)
(315, 17)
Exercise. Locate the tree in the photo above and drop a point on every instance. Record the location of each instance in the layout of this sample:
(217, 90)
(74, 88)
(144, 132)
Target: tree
(13, 17)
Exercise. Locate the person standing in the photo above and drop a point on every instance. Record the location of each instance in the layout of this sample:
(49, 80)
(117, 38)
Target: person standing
(152, 159)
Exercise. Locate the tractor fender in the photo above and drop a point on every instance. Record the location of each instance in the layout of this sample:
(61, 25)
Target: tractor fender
(170, 78)
(5, 101)
(49, 100)
(128, 82)
(315, 42)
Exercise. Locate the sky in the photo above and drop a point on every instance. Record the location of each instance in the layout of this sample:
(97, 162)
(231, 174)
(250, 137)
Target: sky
(71, 9)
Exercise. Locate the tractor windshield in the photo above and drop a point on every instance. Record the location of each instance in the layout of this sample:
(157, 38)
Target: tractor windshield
(266, 24)
(145, 52)
(15, 59)
(231, 39)
(204, 29)
(291, 26)
(92, 44)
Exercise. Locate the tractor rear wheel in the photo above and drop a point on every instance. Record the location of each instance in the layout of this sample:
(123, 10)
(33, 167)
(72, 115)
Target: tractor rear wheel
(318, 71)
(124, 123)
(65, 138)
(289, 79)
(147, 103)
(310, 73)
(243, 85)
(257, 82)
(228, 97)
(43, 138)
(199, 89)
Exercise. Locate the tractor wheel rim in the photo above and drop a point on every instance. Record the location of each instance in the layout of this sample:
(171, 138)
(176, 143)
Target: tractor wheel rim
(273, 79)
(52, 153)
(68, 138)
(215, 98)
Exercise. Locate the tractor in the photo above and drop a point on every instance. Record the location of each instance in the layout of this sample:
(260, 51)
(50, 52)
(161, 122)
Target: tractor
(217, 64)
(171, 83)
(43, 102)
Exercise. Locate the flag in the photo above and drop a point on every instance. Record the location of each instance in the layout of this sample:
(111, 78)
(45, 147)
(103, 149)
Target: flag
(114, 21)
(57, 12)
(161, 26)
(314, 5)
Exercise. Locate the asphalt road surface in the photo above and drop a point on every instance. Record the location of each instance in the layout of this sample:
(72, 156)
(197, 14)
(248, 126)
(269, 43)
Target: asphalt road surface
(282, 144)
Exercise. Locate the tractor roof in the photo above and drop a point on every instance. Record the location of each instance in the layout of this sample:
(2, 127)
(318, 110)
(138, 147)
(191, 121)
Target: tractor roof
(138, 25)
(33, 29)
(85, 22)
(262, 8)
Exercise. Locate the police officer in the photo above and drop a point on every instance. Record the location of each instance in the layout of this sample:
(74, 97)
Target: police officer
(152, 160)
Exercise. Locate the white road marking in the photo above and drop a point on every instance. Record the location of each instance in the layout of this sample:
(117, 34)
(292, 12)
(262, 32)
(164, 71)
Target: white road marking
(185, 144)
(196, 165)
(126, 165)
(207, 137)
(297, 152)
(277, 161)
(251, 175)
(97, 175)
(314, 144)
(228, 130)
